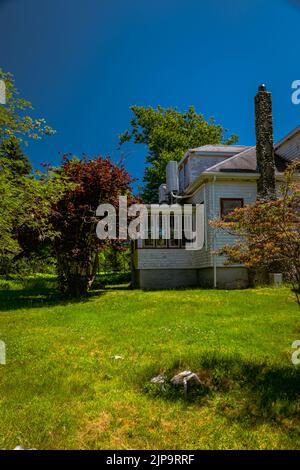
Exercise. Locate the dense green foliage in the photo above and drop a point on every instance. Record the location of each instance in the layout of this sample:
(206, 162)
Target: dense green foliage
(56, 205)
(25, 204)
(60, 387)
(168, 134)
(25, 198)
(15, 119)
(13, 158)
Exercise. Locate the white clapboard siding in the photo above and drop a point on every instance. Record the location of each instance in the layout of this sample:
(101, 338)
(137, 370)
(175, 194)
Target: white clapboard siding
(203, 257)
(200, 163)
(165, 258)
(173, 258)
(220, 189)
(230, 189)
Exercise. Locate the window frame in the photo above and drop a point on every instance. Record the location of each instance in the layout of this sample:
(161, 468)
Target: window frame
(169, 244)
(166, 246)
(226, 199)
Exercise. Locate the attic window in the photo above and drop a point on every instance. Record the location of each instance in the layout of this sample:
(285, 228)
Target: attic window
(229, 204)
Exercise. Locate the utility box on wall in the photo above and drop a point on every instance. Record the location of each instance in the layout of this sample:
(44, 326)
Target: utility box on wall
(276, 279)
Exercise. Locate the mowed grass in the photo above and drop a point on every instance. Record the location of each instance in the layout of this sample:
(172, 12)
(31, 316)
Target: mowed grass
(61, 389)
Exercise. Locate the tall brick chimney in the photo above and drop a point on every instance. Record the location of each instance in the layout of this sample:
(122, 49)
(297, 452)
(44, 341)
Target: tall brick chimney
(264, 144)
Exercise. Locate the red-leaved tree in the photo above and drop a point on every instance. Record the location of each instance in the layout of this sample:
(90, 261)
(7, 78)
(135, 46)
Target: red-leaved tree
(96, 181)
(268, 232)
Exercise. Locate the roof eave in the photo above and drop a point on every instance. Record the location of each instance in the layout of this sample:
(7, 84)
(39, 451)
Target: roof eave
(211, 153)
(233, 174)
(209, 175)
(184, 157)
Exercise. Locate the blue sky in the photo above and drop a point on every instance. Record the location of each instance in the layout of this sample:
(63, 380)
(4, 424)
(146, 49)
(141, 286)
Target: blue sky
(82, 63)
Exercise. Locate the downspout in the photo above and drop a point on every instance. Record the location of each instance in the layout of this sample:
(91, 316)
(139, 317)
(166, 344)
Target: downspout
(214, 235)
(205, 218)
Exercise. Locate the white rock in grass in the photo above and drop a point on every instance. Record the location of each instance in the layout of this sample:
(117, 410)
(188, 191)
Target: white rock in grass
(159, 379)
(184, 377)
(117, 358)
(21, 448)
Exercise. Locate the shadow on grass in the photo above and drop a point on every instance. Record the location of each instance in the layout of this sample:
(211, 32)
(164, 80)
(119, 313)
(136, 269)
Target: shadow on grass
(244, 390)
(31, 298)
(42, 291)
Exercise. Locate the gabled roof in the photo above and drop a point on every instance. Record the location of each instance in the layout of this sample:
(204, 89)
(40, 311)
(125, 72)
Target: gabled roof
(245, 162)
(242, 158)
(220, 149)
(289, 136)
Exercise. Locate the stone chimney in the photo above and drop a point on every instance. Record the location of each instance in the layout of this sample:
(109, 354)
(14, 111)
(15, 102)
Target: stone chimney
(264, 144)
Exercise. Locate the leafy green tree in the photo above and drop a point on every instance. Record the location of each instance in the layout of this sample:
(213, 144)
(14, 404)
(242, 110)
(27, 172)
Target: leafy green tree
(14, 118)
(13, 157)
(168, 134)
(25, 199)
(9, 193)
(25, 206)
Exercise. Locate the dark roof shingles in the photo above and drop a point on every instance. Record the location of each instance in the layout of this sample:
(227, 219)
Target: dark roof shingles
(245, 162)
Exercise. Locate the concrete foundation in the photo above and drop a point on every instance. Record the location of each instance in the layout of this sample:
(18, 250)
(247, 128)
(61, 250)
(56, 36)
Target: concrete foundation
(165, 278)
(227, 278)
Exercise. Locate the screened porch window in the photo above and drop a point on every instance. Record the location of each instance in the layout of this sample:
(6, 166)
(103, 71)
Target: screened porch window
(172, 242)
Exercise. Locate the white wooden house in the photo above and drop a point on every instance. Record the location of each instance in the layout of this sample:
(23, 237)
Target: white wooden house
(220, 177)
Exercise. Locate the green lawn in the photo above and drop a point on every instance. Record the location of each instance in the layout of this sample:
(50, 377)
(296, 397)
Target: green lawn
(61, 389)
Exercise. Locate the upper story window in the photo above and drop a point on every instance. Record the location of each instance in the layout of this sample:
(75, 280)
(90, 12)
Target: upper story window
(229, 204)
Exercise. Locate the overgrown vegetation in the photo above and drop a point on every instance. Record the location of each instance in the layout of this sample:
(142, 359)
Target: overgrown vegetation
(48, 219)
(25, 197)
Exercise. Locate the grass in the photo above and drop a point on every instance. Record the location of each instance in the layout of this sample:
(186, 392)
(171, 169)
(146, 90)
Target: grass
(61, 389)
